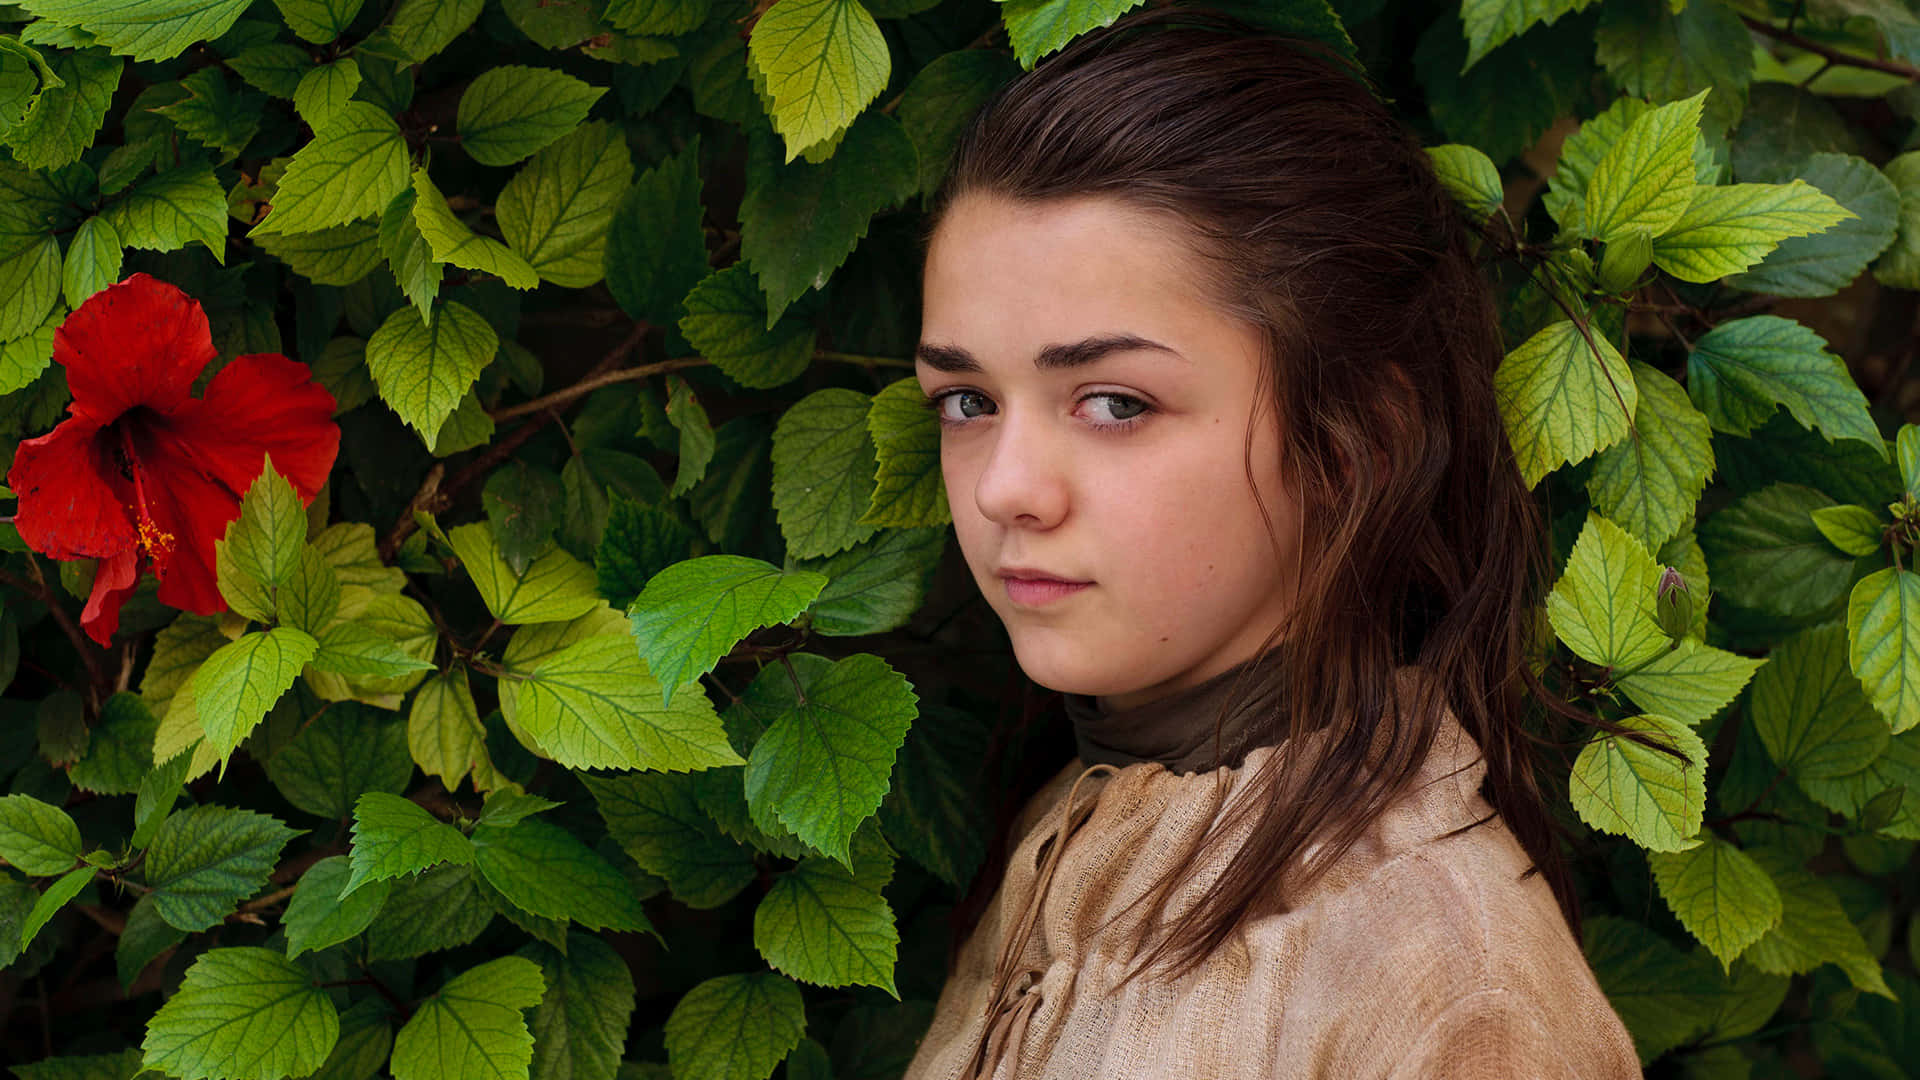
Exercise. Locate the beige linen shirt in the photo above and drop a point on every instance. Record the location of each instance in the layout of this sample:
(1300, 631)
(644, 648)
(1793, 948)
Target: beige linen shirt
(1416, 956)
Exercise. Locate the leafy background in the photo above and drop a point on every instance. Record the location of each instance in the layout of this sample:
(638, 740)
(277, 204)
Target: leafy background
(619, 709)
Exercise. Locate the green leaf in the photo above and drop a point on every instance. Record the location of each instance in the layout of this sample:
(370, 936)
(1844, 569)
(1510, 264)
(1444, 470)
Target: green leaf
(580, 1026)
(144, 29)
(24, 358)
(424, 27)
(1813, 930)
(36, 838)
(1690, 682)
(318, 918)
(325, 90)
(694, 612)
(1768, 555)
(696, 435)
(214, 114)
(445, 735)
(393, 836)
(1899, 265)
(1563, 397)
(63, 120)
(523, 505)
(800, 221)
(1740, 371)
(555, 588)
(1491, 22)
(1855, 530)
(1619, 786)
(311, 596)
(1649, 481)
(1603, 605)
(876, 586)
(823, 61)
(639, 542)
(544, 869)
(274, 68)
(823, 767)
(726, 320)
(657, 820)
(353, 168)
(340, 755)
(236, 686)
(1719, 894)
(29, 287)
(118, 1066)
(1907, 450)
(655, 248)
(1469, 176)
(735, 1027)
(242, 1014)
(1654, 49)
(206, 859)
(1825, 263)
(408, 255)
(355, 651)
(908, 490)
(558, 209)
(824, 924)
(318, 21)
(509, 112)
(146, 936)
(452, 242)
(665, 17)
(120, 752)
(595, 704)
(1664, 996)
(93, 260)
(1038, 27)
(937, 104)
(1725, 230)
(473, 1028)
(937, 812)
(823, 472)
(422, 369)
(1645, 180)
(265, 541)
(51, 901)
(1883, 643)
(442, 908)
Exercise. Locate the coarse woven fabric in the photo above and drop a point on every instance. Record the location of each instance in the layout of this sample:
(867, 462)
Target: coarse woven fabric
(1417, 955)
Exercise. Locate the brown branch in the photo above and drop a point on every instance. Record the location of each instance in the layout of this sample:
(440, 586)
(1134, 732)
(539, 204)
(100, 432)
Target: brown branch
(592, 383)
(1831, 54)
(39, 590)
(435, 495)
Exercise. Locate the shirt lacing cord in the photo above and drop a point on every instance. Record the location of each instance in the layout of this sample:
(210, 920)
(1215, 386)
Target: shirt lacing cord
(1015, 993)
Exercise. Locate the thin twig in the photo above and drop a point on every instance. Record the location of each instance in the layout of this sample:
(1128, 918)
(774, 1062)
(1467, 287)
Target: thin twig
(96, 676)
(589, 385)
(1831, 54)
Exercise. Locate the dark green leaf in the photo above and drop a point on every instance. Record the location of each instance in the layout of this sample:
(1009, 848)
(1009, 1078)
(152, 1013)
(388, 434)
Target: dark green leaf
(206, 859)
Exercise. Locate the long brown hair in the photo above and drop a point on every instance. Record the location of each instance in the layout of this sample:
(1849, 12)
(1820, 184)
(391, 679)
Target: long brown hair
(1319, 220)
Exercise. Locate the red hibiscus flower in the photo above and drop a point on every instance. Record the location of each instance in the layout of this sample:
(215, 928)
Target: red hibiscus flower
(141, 474)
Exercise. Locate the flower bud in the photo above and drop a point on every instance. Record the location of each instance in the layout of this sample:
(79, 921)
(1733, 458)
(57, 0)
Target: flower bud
(1673, 604)
(1624, 260)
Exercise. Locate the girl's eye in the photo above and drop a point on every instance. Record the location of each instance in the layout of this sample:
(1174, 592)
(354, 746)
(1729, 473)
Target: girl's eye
(1122, 408)
(965, 398)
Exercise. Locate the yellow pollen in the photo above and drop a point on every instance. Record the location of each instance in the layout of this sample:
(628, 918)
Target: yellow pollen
(153, 540)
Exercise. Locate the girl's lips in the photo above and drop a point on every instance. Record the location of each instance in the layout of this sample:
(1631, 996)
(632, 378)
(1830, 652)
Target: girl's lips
(1036, 592)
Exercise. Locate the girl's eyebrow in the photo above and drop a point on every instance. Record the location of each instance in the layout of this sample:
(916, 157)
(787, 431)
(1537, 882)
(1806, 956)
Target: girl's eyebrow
(954, 360)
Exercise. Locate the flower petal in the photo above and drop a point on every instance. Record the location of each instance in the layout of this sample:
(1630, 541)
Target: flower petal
(113, 581)
(69, 508)
(141, 342)
(190, 511)
(260, 404)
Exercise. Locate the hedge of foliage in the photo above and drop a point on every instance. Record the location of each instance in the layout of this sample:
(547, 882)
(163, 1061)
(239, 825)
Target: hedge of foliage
(478, 601)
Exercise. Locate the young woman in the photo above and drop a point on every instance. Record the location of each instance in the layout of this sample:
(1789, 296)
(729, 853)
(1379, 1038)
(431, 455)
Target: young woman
(1214, 374)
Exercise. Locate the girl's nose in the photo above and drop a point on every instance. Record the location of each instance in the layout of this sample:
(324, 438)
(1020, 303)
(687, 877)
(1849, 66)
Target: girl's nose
(1023, 483)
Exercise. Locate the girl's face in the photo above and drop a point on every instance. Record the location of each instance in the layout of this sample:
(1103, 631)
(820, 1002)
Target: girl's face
(1094, 409)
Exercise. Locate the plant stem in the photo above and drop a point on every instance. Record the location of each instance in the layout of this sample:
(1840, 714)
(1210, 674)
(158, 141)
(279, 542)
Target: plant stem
(1832, 55)
(39, 590)
(592, 383)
